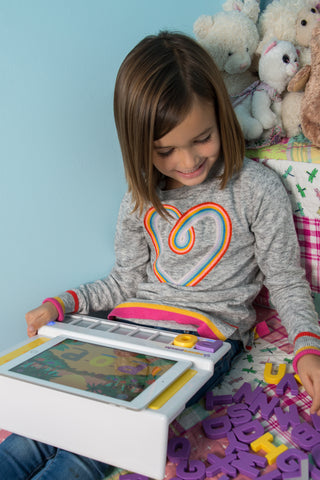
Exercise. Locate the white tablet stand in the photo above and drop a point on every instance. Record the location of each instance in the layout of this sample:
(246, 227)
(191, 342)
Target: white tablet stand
(135, 440)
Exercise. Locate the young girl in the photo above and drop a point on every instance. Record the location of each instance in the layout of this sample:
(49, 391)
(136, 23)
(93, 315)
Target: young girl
(200, 230)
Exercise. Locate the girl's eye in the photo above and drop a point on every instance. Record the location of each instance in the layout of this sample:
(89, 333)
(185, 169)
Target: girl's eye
(204, 140)
(165, 153)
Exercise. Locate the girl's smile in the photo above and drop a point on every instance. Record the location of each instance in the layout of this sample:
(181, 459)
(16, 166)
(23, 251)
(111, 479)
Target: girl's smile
(187, 153)
(195, 169)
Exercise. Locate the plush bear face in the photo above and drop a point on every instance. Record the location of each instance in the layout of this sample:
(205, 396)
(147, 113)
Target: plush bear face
(231, 38)
(307, 19)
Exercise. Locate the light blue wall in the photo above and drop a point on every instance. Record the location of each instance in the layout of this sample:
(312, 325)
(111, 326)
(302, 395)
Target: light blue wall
(61, 177)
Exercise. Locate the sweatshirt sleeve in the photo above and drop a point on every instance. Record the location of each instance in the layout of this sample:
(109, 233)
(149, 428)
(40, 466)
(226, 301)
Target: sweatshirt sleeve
(278, 256)
(132, 256)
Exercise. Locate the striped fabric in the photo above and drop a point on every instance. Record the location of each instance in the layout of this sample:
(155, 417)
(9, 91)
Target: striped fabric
(308, 231)
(150, 311)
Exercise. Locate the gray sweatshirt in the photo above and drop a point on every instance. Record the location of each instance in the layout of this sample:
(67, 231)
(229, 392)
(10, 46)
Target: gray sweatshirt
(203, 267)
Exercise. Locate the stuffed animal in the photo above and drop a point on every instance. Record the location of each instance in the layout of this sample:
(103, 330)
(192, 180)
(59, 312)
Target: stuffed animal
(309, 77)
(290, 20)
(307, 19)
(259, 108)
(291, 113)
(251, 8)
(231, 38)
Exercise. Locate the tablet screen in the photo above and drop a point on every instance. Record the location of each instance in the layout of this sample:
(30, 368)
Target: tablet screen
(103, 370)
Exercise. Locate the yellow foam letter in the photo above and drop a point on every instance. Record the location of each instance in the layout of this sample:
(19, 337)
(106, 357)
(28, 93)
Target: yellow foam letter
(264, 443)
(274, 378)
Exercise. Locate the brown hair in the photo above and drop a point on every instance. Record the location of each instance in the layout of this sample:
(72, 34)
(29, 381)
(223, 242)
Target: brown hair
(154, 91)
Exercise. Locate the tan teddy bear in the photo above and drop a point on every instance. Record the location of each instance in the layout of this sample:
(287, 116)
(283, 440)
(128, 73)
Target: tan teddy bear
(309, 77)
(307, 18)
(306, 21)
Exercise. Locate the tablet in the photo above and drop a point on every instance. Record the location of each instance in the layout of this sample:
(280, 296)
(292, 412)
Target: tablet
(126, 377)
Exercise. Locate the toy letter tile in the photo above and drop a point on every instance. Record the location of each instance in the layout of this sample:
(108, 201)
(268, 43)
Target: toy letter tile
(289, 463)
(212, 400)
(249, 432)
(209, 345)
(217, 427)
(316, 421)
(192, 470)
(178, 449)
(315, 452)
(266, 407)
(247, 464)
(239, 414)
(288, 381)
(265, 443)
(274, 378)
(287, 419)
(305, 436)
(245, 393)
(219, 465)
(209, 402)
(222, 399)
(235, 446)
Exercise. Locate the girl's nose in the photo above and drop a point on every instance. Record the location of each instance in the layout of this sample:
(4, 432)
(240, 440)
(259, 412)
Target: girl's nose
(187, 159)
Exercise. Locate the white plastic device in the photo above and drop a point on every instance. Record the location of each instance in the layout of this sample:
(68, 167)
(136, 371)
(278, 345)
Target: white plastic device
(132, 439)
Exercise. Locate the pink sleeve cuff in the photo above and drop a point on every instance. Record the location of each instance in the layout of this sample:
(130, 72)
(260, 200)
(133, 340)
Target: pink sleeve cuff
(307, 351)
(58, 307)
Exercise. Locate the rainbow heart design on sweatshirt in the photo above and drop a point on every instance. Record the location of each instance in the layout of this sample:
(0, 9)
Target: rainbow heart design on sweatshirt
(182, 239)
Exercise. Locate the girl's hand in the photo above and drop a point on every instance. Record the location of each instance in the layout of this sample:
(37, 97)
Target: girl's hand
(40, 316)
(309, 372)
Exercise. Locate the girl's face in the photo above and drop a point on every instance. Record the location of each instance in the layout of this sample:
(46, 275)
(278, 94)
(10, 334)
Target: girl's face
(187, 153)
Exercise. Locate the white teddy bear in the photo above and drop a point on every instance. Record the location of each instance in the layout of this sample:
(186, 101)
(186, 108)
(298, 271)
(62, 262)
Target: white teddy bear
(231, 38)
(258, 109)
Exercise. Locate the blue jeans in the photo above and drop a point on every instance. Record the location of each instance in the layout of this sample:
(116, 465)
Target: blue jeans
(24, 459)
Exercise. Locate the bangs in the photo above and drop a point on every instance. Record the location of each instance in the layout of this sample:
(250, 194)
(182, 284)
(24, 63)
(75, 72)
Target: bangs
(174, 104)
(177, 99)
